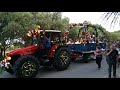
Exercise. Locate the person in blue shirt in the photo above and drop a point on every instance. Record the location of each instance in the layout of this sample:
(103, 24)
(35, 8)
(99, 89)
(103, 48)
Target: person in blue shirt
(47, 45)
(47, 41)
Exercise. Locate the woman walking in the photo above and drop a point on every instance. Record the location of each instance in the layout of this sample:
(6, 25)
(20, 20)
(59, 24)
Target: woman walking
(98, 55)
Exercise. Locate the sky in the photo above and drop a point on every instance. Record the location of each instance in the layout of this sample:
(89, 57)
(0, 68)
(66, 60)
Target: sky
(93, 17)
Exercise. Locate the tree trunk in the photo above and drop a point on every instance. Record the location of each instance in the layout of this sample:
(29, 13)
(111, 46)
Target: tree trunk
(4, 49)
(1, 54)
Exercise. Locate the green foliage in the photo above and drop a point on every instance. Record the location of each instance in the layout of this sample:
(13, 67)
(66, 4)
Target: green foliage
(91, 29)
(16, 24)
(49, 20)
(113, 36)
(73, 33)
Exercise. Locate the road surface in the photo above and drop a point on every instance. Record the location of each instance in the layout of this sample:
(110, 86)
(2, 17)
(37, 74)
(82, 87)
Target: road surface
(76, 70)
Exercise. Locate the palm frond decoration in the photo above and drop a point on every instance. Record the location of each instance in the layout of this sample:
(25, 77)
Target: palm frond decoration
(111, 18)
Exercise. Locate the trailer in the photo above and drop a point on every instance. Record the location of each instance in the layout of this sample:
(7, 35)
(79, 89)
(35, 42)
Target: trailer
(84, 52)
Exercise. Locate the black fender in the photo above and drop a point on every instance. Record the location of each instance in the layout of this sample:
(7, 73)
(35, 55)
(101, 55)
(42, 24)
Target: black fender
(61, 46)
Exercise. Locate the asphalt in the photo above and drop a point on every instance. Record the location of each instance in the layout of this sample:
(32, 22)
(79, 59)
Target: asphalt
(75, 70)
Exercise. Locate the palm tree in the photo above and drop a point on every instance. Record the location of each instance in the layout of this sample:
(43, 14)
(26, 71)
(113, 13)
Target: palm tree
(112, 18)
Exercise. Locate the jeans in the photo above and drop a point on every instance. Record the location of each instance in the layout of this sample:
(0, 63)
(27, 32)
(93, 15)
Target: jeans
(112, 65)
(107, 60)
(47, 52)
(98, 61)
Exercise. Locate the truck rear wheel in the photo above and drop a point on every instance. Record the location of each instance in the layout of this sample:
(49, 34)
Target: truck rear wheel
(62, 59)
(26, 67)
(86, 58)
(73, 59)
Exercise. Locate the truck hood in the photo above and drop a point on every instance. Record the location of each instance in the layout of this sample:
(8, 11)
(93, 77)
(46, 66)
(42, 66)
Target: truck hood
(23, 51)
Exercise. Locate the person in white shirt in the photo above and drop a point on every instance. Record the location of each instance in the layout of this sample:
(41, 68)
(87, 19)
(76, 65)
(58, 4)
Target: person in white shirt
(77, 42)
(70, 41)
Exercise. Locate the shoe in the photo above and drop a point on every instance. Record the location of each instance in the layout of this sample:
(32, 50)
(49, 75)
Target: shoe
(114, 76)
(99, 67)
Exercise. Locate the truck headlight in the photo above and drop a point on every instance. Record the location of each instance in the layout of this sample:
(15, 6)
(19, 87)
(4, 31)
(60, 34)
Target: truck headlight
(8, 58)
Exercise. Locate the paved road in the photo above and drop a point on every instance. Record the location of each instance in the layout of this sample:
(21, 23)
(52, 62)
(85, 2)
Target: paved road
(76, 70)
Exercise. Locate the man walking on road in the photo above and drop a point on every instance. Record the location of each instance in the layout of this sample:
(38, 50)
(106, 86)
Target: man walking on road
(112, 61)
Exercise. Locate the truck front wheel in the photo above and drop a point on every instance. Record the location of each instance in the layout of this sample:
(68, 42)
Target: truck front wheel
(26, 67)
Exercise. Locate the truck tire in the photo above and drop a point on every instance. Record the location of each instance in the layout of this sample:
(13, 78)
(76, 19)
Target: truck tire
(9, 70)
(73, 59)
(86, 58)
(62, 59)
(26, 67)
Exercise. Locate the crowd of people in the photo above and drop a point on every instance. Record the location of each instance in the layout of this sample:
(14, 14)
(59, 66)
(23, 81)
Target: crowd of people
(112, 53)
(83, 41)
(112, 56)
(86, 39)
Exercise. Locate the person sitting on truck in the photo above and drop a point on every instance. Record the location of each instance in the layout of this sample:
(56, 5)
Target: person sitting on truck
(81, 41)
(70, 41)
(77, 42)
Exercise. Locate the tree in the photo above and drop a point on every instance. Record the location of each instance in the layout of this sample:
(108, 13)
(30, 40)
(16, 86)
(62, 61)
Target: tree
(73, 33)
(112, 18)
(51, 20)
(99, 30)
(14, 25)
